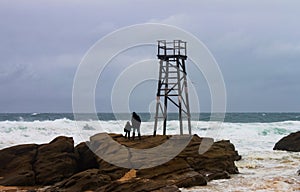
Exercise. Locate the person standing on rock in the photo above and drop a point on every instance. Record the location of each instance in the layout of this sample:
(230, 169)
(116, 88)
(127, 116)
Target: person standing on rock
(127, 130)
(136, 124)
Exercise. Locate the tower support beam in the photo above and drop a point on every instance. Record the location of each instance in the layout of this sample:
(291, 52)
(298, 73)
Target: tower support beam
(172, 84)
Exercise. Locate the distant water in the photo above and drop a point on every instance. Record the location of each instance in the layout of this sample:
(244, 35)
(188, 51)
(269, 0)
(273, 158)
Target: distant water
(253, 134)
(229, 117)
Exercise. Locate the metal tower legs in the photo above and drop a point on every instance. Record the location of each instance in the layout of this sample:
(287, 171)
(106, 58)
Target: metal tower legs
(172, 86)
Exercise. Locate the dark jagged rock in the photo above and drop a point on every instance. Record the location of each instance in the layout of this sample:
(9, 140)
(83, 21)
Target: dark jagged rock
(111, 170)
(191, 181)
(55, 161)
(87, 180)
(289, 143)
(187, 169)
(79, 169)
(215, 176)
(143, 184)
(135, 184)
(16, 165)
(27, 165)
(175, 172)
(86, 158)
(220, 157)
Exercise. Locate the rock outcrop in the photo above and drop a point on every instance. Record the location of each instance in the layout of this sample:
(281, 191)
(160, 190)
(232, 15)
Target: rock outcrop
(27, 165)
(55, 161)
(16, 165)
(289, 143)
(86, 158)
(90, 179)
(187, 169)
(71, 169)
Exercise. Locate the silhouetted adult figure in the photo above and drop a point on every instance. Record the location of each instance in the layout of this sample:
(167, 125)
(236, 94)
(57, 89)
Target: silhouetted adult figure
(127, 130)
(136, 124)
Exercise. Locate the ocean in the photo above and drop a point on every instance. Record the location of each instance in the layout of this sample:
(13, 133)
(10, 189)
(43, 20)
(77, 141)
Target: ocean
(253, 134)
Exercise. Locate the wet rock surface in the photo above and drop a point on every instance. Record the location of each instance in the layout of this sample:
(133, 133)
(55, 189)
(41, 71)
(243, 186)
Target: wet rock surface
(68, 168)
(289, 143)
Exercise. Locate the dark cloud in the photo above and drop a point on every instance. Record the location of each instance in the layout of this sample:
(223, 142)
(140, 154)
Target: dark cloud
(256, 44)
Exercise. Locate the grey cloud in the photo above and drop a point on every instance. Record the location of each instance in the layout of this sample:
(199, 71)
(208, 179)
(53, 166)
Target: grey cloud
(255, 43)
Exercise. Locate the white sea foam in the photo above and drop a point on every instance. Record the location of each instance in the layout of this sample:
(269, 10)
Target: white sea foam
(262, 169)
(245, 136)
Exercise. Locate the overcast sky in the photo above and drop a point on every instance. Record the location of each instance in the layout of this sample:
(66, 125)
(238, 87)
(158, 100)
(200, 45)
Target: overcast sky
(256, 44)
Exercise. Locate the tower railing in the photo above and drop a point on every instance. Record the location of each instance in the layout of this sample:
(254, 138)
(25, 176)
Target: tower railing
(173, 48)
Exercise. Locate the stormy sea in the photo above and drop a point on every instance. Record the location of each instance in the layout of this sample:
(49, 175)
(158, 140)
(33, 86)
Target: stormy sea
(253, 134)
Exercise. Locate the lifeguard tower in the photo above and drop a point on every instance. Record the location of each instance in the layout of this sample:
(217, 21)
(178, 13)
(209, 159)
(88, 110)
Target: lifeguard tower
(172, 84)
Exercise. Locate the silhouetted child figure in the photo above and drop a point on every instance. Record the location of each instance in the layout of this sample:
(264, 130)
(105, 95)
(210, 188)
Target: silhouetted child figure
(136, 124)
(127, 130)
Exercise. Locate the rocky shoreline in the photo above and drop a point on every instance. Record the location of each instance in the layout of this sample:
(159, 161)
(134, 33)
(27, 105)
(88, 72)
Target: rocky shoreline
(59, 166)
